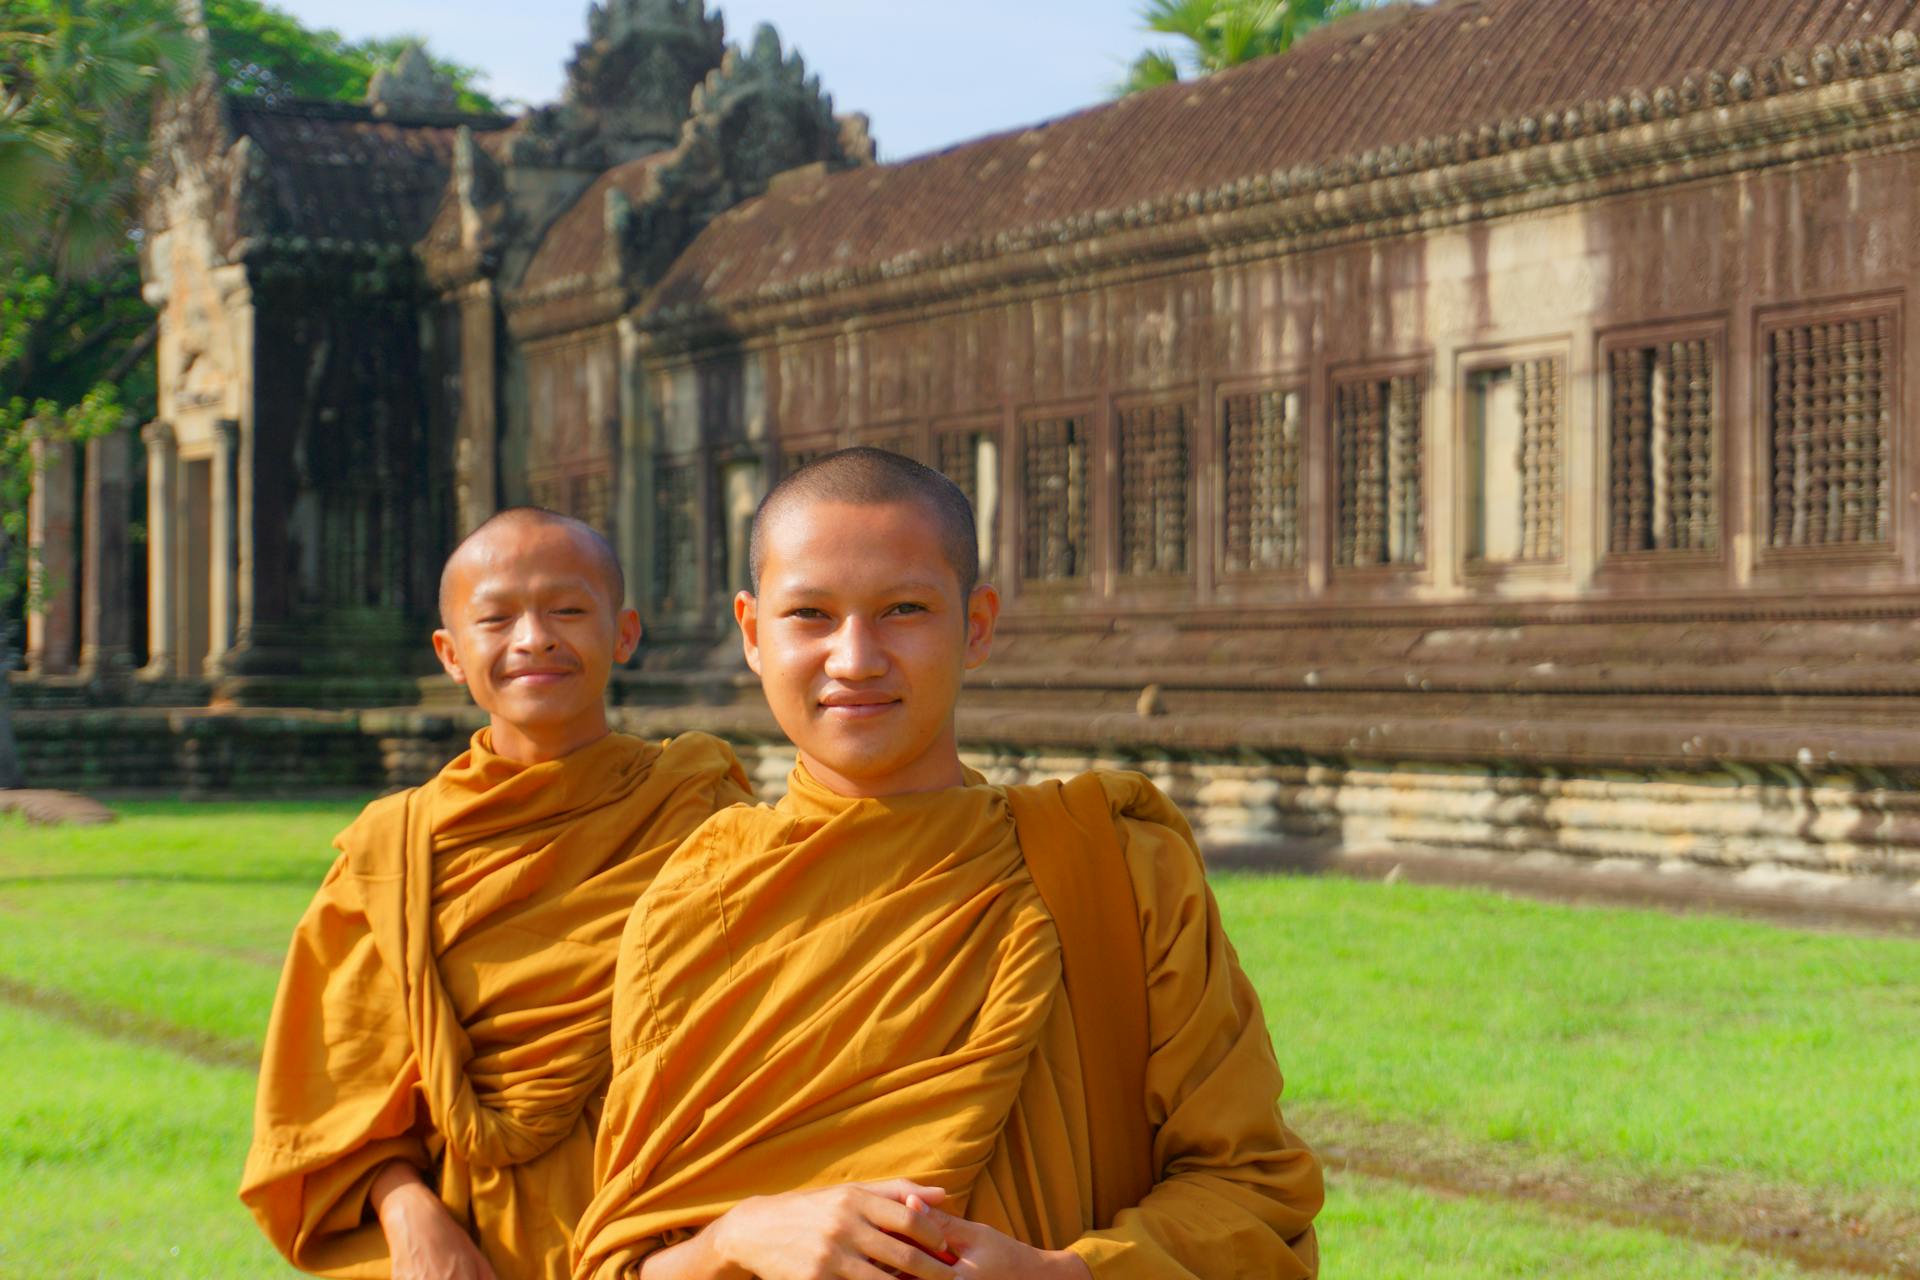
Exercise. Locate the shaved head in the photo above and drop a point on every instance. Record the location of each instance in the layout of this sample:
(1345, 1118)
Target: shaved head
(865, 476)
(590, 539)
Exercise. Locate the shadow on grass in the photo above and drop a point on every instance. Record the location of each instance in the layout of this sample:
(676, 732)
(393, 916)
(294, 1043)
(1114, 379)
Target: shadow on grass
(134, 1028)
(306, 878)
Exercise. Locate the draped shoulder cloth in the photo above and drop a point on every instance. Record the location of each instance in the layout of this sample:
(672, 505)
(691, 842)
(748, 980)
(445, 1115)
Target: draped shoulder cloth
(836, 990)
(446, 997)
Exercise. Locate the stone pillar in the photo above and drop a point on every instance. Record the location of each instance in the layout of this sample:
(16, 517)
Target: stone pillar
(163, 551)
(223, 578)
(52, 621)
(106, 647)
(634, 520)
(477, 455)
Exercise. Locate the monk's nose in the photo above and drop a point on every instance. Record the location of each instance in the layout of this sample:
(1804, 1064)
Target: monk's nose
(532, 635)
(856, 652)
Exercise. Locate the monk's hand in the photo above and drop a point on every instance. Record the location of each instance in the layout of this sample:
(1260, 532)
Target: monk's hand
(423, 1240)
(857, 1231)
(984, 1252)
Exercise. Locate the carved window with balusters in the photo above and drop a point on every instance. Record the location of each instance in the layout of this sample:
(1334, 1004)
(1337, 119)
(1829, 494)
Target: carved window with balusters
(1514, 426)
(1055, 519)
(1262, 434)
(1830, 412)
(1662, 445)
(676, 536)
(970, 457)
(584, 495)
(957, 457)
(793, 457)
(1154, 447)
(1379, 442)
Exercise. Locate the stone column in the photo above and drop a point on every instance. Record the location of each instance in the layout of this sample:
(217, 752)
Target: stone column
(634, 519)
(52, 621)
(105, 625)
(223, 578)
(478, 456)
(163, 551)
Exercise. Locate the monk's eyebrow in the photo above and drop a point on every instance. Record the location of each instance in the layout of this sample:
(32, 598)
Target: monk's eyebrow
(808, 591)
(505, 595)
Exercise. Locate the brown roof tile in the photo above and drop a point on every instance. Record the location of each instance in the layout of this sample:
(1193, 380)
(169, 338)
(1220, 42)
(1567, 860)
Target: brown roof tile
(1378, 80)
(339, 172)
(575, 242)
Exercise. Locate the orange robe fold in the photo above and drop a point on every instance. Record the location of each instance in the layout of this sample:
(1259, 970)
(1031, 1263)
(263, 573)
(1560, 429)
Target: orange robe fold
(835, 990)
(446, 999)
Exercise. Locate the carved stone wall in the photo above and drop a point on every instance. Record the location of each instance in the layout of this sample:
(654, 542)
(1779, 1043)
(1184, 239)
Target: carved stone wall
(1252, 804)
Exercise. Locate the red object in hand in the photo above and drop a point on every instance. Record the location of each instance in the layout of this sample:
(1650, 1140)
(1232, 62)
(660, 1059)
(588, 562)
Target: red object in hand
(940, 1254)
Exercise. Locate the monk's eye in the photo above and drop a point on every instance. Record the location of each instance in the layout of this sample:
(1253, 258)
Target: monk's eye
(491, 620)
(806, 613)
(908, 607)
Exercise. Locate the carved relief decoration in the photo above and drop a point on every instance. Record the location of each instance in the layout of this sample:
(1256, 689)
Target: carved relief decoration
(676, 539)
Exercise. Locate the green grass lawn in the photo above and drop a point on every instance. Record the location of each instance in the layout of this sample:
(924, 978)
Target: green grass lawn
(1641, 1041)
(137, 962)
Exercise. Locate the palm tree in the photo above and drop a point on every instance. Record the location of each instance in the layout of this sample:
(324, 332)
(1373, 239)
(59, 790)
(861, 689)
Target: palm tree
(1224, 33)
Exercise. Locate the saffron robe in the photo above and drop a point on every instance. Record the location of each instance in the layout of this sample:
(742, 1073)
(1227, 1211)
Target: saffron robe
(446, 997)
(840, 990)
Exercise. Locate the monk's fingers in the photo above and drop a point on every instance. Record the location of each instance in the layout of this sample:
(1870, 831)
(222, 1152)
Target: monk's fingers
(895, 1217)
(900, 1188)
(949, 1226)
(904, 1257)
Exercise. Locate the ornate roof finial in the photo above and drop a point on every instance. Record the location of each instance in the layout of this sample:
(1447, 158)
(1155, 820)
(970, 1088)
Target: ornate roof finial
(412, 83)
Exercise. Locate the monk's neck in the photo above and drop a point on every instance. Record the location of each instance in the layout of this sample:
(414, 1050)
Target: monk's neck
(537, 744)
(935, 771)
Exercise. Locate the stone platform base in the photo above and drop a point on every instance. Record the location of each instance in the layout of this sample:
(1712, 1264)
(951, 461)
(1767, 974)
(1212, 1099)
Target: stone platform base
(1268, 806)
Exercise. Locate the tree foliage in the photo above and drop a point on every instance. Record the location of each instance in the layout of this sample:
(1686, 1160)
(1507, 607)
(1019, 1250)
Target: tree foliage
(81, 78)
(79, 81)
(259, 50)
(1217, 34)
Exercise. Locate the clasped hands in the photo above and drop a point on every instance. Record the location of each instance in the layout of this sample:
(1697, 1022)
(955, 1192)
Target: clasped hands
(868, 1231)
(856, 1231)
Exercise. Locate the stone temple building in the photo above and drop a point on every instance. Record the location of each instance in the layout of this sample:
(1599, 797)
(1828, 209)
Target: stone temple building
(1484, 426)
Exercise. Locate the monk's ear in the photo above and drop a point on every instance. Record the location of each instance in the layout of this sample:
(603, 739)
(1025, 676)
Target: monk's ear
(449, 656)
(746, 612)
(983, 611)
(627, 634)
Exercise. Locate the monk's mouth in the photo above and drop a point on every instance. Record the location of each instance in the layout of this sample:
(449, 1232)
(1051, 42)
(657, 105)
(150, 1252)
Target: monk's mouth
(858, 710)
(537, 678)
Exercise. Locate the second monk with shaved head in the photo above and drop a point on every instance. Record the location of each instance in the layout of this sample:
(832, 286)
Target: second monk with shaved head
(438, 1051)
(909, 1023)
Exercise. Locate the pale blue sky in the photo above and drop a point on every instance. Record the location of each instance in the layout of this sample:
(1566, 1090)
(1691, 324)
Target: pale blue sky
(929, 74)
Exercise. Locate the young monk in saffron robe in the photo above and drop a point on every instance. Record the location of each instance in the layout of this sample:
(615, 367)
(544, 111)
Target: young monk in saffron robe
(437, 1053)
(841, 1044)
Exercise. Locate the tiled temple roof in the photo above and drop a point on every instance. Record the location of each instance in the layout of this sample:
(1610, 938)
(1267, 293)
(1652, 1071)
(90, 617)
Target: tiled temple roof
(1370, 87)
(574, 246)
(339, 172)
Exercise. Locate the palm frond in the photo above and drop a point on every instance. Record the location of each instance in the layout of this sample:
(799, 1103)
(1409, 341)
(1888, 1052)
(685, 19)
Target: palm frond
(1150, 70)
